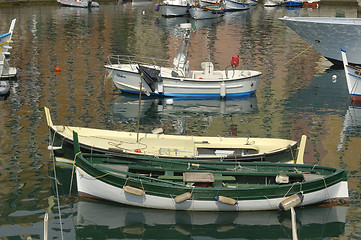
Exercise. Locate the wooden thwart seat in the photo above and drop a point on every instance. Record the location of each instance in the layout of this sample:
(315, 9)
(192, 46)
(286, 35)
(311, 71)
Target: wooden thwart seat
(198, 177)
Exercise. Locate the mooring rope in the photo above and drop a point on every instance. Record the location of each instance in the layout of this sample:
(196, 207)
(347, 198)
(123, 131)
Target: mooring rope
(72, 174)
(289, 190)
(298, 54)
(57, 191)
(328, 194)
(293, 157)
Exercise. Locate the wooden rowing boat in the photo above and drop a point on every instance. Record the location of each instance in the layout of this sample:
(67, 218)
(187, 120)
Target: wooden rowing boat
(207, 186)
(154, 146)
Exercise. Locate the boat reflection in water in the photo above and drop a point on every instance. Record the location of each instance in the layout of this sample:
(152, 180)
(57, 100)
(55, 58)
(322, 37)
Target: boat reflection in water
(126, 106)
(351, 124)
(122, 222)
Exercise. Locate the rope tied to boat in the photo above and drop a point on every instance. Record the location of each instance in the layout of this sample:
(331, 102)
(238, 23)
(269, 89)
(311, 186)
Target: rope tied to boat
(289, 190)
(328, 194)
(108, 76)
(72, 173)
(57, 193)
(298, 55)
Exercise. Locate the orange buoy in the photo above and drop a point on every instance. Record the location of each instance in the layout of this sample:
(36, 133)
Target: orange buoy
(57, 69)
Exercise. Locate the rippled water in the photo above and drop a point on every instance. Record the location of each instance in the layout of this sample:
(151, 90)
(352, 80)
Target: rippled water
(296, 96)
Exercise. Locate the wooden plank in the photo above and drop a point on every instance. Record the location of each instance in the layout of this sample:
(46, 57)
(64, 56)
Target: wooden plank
(198, 177)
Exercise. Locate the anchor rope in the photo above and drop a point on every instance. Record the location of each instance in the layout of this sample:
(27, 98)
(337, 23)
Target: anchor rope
(298, 54)
(268, 201)
(57, 191)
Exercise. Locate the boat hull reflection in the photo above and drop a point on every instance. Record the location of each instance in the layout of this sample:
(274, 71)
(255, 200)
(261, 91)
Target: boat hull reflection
(115, 221)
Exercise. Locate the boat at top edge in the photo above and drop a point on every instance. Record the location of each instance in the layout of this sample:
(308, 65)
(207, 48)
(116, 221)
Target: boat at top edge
(78, 3)
(328, 35)
(154, 146)
(201, 186)
(174, 8)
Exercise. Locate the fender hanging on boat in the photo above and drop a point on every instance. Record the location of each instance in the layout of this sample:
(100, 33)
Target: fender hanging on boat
(133, 190)
(182, 197)
(292, 201)
(226, 200)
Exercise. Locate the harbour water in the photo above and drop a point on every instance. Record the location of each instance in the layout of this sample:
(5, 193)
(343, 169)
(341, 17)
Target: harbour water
(296, 96)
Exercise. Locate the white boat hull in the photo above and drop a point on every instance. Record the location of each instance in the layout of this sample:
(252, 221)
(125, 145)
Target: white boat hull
(169, 10)
(329, 35)
(245, 82)
(271, 3)
(201, 13)
(79, 3)
(92, 187)
(353, 79)
(236, 5)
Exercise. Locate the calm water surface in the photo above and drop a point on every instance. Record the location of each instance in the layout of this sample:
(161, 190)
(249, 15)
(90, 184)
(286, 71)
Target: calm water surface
(296, 96)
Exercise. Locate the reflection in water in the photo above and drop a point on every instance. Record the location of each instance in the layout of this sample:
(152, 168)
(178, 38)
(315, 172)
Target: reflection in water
(322, 94)
(158, 112)
(121, 222)
(352, 123)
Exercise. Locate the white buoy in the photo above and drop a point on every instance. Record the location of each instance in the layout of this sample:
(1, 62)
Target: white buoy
(334, 78)
(143, 12)
(169, 101)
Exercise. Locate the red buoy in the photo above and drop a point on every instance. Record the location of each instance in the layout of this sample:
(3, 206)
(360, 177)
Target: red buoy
(57, 69)
(235, 60)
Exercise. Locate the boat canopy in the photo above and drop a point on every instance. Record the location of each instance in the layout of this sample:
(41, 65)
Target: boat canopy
(150, 76)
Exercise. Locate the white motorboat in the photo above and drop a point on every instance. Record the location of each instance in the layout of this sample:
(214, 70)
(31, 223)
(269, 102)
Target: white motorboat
(128, 73)
(207, 11)
(353, 78)
(236, 5)
(6, 71)
(174, 8)
(328, 35)
(272, 3)
(79, 3)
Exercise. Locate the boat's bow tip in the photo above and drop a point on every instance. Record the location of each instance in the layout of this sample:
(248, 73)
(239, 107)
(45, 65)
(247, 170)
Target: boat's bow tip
(48, 116)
